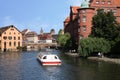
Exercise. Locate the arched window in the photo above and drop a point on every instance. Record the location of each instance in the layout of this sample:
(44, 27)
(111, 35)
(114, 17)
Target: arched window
(14, 43)
(18, 43)
(4, 44)
(14, 38)
(18, 38)
(9, 43)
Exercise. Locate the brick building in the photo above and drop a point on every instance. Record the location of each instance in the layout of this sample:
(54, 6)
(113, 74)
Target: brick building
(79, 22)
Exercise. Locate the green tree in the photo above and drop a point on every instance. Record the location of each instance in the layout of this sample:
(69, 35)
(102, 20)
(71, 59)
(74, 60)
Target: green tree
(59, 36)
(90, 45)
(68, 42)
(104, 25)
(64, 40)
(116, 48)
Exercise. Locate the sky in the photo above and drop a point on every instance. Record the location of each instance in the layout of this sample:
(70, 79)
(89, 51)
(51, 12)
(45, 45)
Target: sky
(36, 14)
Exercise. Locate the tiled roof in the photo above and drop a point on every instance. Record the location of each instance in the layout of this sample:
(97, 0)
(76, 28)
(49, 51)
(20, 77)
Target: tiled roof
(31, 34)
(45, 36)
(24, 31)
(2, 29)
(74, 9)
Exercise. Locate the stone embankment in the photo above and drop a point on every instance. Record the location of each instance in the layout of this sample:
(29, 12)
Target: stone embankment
(114, 60)
(72, 54)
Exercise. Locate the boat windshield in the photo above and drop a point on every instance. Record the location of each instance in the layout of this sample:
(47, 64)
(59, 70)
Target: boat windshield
(49, 57)
(44, 57)
(56, 57)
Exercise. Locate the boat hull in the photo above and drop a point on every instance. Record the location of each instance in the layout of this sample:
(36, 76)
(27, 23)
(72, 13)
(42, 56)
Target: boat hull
(48, 63)
(51, 63)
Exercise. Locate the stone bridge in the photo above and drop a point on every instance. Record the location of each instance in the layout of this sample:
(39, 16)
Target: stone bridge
(40, 45)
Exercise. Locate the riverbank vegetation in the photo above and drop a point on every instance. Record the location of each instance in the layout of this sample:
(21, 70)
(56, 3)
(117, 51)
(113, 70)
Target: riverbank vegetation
(105, 35)
(92, 45)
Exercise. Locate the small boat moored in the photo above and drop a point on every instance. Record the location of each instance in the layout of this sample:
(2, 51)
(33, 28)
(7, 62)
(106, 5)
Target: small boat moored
(49, 59)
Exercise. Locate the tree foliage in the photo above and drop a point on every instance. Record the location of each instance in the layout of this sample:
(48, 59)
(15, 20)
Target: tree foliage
(90, 45)
(64, 40)
(105, 25)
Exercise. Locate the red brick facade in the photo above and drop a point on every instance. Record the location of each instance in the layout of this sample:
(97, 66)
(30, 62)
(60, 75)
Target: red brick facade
(79, 22)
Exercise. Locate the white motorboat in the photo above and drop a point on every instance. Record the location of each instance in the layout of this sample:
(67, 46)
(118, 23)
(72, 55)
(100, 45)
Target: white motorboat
(49, 59)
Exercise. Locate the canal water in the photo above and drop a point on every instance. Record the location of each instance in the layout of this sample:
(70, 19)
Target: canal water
(25, 66)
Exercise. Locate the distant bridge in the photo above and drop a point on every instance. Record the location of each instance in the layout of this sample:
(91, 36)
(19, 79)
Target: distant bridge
(41, 45)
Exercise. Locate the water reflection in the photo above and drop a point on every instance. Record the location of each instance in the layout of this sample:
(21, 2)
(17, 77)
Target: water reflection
(9, 66)
(24, 66)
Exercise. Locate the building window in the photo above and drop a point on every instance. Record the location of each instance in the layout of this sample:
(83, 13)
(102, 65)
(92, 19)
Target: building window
(14, 33)
(14, 38)
(109, 1)
(9, 43)
(4, 44)
(5, 37)
(81, 37)
(12, 29)
(10, 37)
(4, 32)
(108, 10)
(115, 11)
(14, 43)
(18, 43)
(83, 11)
(97, 1)
(18, 38)
(84, 19)
(103, 1)
(84, 28)
(78, 20)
